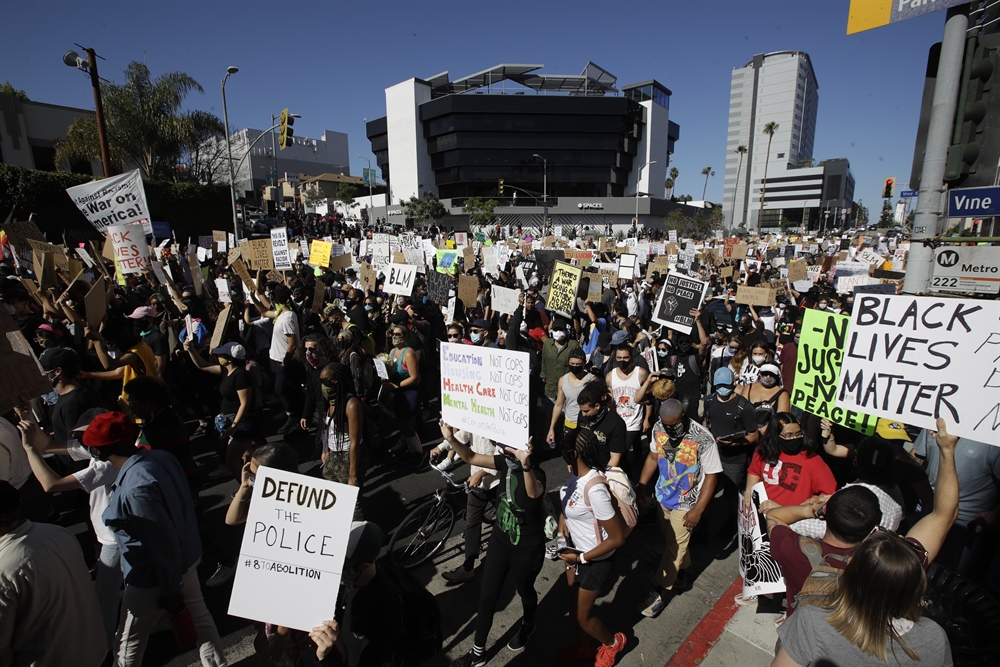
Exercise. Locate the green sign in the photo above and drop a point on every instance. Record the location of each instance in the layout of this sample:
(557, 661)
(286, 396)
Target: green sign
(817, 370)
(369, 176)
(480, 236)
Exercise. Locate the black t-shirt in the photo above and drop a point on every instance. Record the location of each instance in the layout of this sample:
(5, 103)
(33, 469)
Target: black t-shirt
(228, 388)
(157, 342)
(755, 335)
(359, 316)
(610, 432)
(728, 417)
(377, 615)
(68, 409)
(519, 523)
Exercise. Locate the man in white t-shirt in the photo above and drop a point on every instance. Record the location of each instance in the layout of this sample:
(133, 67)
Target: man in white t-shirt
(284, 341)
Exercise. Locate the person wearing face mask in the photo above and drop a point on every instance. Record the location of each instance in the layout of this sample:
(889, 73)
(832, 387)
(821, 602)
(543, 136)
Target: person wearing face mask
(482, 333)
(625, 382)
(750, 328)
(760, 354)
(684, 364)
(555, 363)
(789, 465)
(597, 415)
(344, 432)
(684, 459)
(148, 330)
(404, 380)
(566, 407)
(766, 395)
(318, 351)
(356, 313)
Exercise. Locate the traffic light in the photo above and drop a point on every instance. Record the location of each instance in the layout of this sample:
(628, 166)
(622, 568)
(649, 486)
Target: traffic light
(888, 187)
(285, 131)
(501, 187)
(975, 88)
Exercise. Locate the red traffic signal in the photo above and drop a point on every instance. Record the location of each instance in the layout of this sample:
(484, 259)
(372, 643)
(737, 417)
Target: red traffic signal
(888, 187)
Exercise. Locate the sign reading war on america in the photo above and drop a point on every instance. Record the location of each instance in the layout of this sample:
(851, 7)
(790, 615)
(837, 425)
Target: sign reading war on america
(485, 391)
(914, 359)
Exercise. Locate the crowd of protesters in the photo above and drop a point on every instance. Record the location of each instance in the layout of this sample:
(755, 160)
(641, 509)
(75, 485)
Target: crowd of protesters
(649, 421)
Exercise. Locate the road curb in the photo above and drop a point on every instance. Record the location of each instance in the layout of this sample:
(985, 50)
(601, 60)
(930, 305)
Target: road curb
(696, 645)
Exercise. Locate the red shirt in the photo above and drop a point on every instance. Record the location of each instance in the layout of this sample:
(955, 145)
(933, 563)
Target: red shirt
(795, 566)
(793, 479)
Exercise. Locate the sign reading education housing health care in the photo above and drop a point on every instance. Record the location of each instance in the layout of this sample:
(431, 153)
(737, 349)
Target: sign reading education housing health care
(913, 359)
(485, 391)
(119, 200)
(293, 549)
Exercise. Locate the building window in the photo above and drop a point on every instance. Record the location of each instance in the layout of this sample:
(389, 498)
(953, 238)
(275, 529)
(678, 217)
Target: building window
(44, 157)
(781, 155)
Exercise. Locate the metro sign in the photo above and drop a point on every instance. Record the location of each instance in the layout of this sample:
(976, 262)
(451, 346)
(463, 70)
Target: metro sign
(974, 202)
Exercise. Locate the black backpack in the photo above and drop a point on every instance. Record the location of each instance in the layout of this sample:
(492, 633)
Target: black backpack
(421, 614)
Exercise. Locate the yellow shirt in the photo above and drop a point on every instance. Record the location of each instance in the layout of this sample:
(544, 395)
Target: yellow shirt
(145, 354)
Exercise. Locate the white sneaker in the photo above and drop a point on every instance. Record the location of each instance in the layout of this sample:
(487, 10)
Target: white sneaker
(221, 576)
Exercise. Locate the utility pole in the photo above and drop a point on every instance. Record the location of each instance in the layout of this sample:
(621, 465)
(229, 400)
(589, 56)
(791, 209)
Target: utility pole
(102, 128)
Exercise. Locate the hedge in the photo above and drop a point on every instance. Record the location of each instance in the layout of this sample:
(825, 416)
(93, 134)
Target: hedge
(191, 209)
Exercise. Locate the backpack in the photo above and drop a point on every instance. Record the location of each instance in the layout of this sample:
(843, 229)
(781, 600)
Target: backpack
(823, 576)
(622, 496)
(367, 339)
(421, 614)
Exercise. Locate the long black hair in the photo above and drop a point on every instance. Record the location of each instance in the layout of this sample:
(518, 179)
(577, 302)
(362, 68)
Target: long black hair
(585, 448)
(344, 385)
(771, 445)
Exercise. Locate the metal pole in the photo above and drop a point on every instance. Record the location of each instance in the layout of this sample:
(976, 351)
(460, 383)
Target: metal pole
(930, 198)
(229, 150)
(102, 128)
(545, 180)
(371, 207)
(274, 155)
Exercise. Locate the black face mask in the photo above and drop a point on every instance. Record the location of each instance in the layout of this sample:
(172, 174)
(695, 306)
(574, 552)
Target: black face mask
(683, 347)
(744, 328)
(792, 445)
(678, 430)
(597, 416)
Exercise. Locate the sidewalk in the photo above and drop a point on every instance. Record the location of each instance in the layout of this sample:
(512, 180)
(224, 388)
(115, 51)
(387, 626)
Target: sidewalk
(729, 635)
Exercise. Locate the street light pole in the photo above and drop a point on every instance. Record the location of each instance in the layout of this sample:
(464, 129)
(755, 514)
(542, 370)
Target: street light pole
(638, 178)
(369, 179)
(229, 150)
(72, 59)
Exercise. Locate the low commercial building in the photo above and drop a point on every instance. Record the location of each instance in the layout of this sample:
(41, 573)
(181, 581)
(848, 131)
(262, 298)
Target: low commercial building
(29, 132)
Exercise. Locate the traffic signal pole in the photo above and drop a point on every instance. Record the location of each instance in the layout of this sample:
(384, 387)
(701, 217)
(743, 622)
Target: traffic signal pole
(931, 201)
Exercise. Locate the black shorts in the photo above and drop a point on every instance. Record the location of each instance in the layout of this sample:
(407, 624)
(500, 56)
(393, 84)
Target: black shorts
(590, 576)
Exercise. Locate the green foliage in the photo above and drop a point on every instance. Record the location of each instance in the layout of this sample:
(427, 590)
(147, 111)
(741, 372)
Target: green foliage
(481, 212)
(426, 207)
(885, 219)
(862, 215)
(346, 193)
(696, 224)
(8, 89)
(192, 209)
(786, 223)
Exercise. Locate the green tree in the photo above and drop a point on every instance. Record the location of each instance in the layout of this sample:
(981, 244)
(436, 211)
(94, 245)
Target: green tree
(741, 150)
(8, 89)
(786, 223)
(672, 181)
(345, 195)
(669, 185)
(769, 130)
(481, 212)
(706, 172)
(862, 215)
(426, 207)
(146, 126)
(885, 219)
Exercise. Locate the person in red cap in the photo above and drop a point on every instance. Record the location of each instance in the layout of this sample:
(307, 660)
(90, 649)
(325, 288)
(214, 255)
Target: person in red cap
(148, 329)
(154, 521)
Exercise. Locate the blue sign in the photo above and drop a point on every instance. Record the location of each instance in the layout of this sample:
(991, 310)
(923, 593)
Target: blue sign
(974, 202)
(906, 194)
(161, 229)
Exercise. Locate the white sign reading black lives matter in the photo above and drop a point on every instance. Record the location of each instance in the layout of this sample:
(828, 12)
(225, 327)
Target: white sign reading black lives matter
(485, 391)
(293, 550)
(679, 295)
(913, 359)
(119, 200)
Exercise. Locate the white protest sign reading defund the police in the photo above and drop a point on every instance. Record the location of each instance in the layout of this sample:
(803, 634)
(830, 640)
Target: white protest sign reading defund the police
(913, 359)
(484, 391)
(399, 279)
(293, 550)
(119, 200)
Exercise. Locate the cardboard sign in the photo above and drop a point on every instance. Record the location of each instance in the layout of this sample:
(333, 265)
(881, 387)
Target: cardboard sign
(485, 391)
(21, 377)
(292, 557)
(218, 236)
(869, 256)
(755, 296)
(760, 571)
(727, 247)
(817, 370)
(369, 279)
(626, 266)
(219, 332)
(796, 271)
(340, 263)
(468, 257)
(504, 299)
(113, 201)
(468, 290)
(19, 233)
(319, 253)
(131, 250)
(399, 279)
(280, 250)
(319, 296)
(726, 271)
(563, 287)
(96, 303)
(679, 295)
(257, 253)
(241, 270)
(222, 287)
(912, 359)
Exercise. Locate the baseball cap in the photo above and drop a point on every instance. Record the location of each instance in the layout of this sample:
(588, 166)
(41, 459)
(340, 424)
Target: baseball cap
(604, 339)
(364, 542)
(350, 272)
(109, 429)
(232, 350)
(399, 317)
(723, 376)
(619, 337)
(88, 416)
(891, 430)
(143, 311)
(483, 324)
(771, 368)
(59, 357)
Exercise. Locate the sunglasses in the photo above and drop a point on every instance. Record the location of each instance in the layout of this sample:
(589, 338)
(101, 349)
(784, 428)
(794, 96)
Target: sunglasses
(454, 336)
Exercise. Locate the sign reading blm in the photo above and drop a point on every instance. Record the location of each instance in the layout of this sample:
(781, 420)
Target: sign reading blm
(679, 295)
(914, 359)
(293, 549)
(485, 391)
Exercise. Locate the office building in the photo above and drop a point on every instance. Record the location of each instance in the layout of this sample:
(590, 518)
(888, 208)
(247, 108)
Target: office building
(29, 132)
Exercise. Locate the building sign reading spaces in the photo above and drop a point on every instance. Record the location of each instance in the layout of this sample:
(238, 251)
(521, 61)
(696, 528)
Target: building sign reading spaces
(596, 206)
(119, 200)
(913, 359)
(966, 269)
(485, 391)
(293, 549)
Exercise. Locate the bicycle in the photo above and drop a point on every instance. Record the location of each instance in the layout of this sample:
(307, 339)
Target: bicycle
(425, 530)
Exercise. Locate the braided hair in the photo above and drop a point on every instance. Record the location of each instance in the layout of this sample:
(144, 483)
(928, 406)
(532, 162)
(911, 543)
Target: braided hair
(585, 447)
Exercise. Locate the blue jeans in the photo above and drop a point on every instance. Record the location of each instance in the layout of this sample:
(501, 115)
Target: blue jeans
(109, 588)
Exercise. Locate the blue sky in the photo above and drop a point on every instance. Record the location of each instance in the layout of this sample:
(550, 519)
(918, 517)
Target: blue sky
(331, 61)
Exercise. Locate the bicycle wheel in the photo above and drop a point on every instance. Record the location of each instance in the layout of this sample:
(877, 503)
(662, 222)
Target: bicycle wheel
(422, 534)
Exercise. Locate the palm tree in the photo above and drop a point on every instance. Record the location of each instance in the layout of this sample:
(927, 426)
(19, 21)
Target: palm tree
(706, 172)
(769, 130)
(669, 184)
(741, 150)
(146, 126)
(672, 181)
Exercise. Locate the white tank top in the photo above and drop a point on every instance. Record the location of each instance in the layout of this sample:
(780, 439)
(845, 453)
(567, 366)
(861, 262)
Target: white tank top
(623, 391)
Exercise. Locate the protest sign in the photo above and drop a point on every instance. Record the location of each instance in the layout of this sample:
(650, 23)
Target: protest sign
(672, 235)
(817, 369)
(446, 261)
(490, 261)
(912, 359)
(869, 256)
(129, 243)
(679, 295)
(797, 271)
(19, 233)
(461, 239)
(219, 332)
(257, 253)
(117, 200)
(438, 286)
(760, 571)
(319, 253)
(546, 260)
(848, 284)
(21, 377)
(626, 266)
(504, 300)
(875, 288)
(562, 289)
(468, 290)
(319, 296)
(399, 279)
(340, 263)
(468, 257)
(222, 286)
(292, 556)
(58, 256)
(218, 236)
(755, 296)
(485, 391)
(368, 277)
(381, 256)
(96, 303)
(241, 270)
(279, 248)
(727, 246)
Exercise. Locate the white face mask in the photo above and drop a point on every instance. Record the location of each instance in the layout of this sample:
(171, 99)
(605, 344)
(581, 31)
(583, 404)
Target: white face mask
(759, 359)
(559, 336)
(400, 302)
(524, 327)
